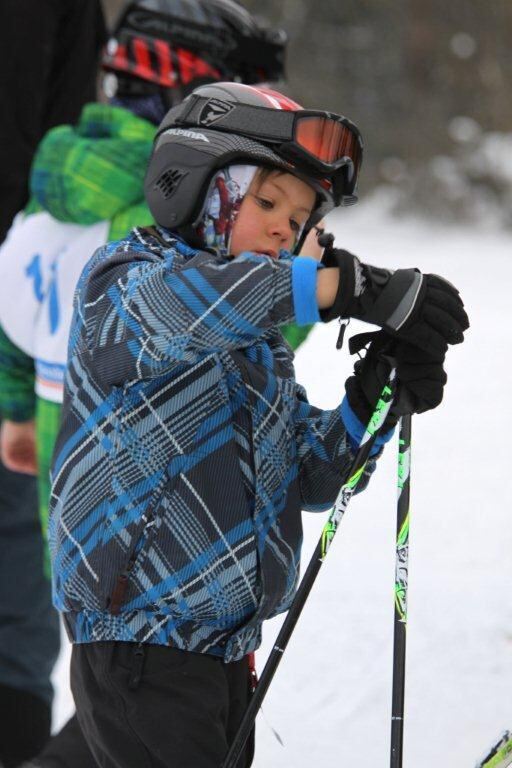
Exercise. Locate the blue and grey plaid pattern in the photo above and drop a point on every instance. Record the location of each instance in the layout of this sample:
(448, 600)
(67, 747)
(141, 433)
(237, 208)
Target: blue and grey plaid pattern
(187, 450)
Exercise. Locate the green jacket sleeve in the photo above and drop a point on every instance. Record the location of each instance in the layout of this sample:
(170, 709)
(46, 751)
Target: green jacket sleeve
(17, 398)
(295, 334)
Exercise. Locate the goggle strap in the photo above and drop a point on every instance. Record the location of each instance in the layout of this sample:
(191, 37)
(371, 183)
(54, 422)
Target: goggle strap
(272, 125)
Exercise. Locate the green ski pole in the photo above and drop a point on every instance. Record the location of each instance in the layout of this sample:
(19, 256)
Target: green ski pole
(340, 505)
(500, 755)
(401, 578)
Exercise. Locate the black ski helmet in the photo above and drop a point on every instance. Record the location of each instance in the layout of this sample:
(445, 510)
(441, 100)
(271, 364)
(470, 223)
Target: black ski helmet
(176, 45)
(227, 123)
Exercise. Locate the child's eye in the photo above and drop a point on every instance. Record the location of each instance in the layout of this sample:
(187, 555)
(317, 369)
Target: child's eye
(295, 225)
(264, 203)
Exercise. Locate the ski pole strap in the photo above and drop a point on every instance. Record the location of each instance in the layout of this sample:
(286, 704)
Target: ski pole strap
(345, 494)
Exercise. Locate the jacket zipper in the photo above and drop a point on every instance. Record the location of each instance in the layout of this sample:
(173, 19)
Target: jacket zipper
(119, 591)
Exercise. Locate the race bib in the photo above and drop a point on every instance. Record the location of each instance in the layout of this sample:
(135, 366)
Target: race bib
(40, 263)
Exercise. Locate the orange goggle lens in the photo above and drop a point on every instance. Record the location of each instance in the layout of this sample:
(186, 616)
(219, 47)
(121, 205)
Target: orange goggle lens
(326, 139)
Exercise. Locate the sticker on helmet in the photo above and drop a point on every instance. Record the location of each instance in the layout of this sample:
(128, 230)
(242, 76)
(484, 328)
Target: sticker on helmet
(213, 110)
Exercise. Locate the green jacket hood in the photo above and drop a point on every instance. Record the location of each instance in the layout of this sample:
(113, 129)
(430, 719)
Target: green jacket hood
(93, 171)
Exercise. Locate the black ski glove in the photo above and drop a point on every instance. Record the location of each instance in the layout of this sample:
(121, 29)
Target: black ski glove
(420, 377)
(425, 310)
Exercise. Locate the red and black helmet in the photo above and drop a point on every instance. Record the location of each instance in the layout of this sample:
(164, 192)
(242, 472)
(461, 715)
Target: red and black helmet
(228, 123)
(184, 43)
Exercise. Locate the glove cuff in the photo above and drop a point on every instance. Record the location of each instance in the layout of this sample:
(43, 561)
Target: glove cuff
(349, 267)
(357, 400)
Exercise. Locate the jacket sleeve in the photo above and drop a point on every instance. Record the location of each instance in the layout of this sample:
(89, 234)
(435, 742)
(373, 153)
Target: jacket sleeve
(324, 454)
(144, 313)
(17, 399)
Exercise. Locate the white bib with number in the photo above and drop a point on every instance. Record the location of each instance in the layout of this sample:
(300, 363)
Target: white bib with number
(40, 263)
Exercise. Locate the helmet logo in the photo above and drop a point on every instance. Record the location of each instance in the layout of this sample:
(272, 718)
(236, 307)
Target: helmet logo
(187, 134)
(214, 110)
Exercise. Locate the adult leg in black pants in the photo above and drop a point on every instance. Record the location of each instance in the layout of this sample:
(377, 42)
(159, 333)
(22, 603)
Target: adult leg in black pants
(29, 627)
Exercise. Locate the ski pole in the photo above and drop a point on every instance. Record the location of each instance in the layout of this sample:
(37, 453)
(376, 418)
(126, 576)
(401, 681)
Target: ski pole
(500, 755)
(357, 468)
(401, 577)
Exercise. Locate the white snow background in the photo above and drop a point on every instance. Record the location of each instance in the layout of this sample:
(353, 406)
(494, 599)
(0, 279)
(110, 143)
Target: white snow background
(331, 697)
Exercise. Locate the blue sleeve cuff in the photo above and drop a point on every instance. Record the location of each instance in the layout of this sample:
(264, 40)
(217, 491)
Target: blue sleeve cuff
(304, 271)
(356, 429)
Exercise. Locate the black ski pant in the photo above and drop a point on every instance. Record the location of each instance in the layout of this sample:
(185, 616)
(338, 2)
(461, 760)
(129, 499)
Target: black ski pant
(152, 706)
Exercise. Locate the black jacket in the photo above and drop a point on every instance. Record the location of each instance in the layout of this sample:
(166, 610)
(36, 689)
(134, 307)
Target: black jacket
(49, 54)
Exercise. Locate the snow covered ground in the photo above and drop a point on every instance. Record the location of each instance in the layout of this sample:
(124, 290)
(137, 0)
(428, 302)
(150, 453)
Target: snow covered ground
(330, 700)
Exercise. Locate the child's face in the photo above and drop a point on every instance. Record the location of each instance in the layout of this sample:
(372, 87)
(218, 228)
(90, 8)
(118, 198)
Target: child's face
(272, 214)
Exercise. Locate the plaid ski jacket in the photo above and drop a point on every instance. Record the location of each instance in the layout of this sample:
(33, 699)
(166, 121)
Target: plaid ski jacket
(187, 449)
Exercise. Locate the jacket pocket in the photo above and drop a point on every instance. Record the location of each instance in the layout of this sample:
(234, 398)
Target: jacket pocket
(200, 563)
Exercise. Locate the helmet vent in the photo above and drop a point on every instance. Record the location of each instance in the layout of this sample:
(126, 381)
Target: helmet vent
(168, 182)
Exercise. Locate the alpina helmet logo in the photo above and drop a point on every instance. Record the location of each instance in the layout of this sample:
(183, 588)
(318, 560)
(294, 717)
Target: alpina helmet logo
(188, 134)
(213, 110)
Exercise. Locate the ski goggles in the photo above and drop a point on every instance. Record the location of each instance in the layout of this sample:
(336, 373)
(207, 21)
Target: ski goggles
(328, 145)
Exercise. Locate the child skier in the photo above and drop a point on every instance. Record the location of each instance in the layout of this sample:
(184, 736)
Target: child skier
(86, 189)
(187, 449)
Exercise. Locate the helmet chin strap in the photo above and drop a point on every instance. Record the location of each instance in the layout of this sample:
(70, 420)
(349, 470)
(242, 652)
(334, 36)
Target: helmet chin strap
(313, 220)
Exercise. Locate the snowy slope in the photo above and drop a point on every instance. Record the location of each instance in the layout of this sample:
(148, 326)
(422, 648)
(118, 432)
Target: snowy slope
(330, 700)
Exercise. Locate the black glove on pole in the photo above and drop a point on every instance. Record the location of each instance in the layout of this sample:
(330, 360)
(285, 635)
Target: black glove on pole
(425, 310)
(420, 377)
(374, 427)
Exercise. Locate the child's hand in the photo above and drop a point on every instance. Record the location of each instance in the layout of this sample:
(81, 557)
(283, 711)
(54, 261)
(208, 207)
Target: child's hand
(421, 378)
(424, 310)
(18, 446)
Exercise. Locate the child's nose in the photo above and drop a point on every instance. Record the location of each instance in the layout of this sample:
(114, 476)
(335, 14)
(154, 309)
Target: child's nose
(282, 229)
